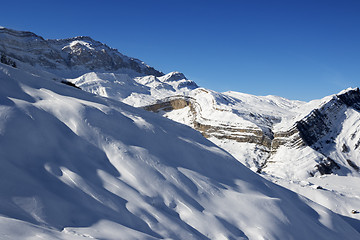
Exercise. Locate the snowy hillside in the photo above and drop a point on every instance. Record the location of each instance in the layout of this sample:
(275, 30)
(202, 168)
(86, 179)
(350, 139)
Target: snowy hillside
(77, 166)
(289, 142)
(323, 136)
(81, 166)
(231, 120)
(136, 91)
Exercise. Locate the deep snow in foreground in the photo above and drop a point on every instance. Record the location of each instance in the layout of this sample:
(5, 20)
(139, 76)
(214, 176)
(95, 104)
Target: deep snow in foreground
(77, 166)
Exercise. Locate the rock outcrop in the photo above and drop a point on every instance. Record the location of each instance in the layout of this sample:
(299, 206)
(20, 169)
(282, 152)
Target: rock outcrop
(219, 131)
(319, 122)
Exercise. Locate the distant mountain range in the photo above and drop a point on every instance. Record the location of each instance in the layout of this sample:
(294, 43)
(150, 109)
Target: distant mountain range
(79, 165)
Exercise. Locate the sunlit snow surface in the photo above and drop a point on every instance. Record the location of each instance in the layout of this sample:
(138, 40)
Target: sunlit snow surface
(289, 166)
(77, 166)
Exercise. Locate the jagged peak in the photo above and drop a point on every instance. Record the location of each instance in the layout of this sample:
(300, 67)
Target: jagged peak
(83, 38)
(348, 93)
(351, 97)
(173, 76)
(349, 90)
(73, 56)
(28, 34)
(78, 38)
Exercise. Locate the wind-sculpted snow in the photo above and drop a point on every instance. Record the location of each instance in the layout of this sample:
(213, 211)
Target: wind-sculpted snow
(302, 146)
(78, 166)
(288, 141)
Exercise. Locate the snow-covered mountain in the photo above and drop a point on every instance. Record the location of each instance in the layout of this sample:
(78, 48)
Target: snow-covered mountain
(289, 142)
(311, 148)
(259, 131)
(75, 165)
(68, 57)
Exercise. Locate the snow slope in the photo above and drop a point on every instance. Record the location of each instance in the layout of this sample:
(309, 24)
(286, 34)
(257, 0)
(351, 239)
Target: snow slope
(246, 118)
(78, 166)
(292, 143)
(136, 91)
(262, 132)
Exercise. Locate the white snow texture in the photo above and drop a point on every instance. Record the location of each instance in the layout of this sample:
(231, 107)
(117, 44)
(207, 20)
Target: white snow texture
(75, 165)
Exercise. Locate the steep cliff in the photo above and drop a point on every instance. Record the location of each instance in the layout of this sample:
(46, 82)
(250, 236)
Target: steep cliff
(327, 129)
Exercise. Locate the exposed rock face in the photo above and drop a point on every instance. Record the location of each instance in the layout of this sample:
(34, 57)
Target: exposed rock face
(327, 166)
(319, 122)
(353, 165)
(79, 54)
(243, 135)
(351, 98)
(6, 60)
(173, 103)
(321, 130)
(291, 138)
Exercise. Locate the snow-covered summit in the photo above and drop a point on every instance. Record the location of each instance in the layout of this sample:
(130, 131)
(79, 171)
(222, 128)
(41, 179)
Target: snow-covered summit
(172, 76)
(178, 80)
(345, 91)
(70, 57)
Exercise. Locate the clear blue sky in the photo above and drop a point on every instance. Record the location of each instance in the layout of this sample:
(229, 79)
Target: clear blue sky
(298, 49)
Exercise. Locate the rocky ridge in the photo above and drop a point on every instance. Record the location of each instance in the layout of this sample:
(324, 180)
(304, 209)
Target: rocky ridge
(70, 57)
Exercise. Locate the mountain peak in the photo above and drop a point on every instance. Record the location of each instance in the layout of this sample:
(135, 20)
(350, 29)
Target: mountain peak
(69, 57)
(351, 97)
(356, 89)
(173, 76)
(348, 92)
